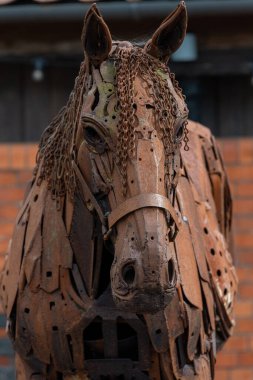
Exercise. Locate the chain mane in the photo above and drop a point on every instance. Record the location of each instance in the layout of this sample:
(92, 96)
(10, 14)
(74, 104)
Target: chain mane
(56, 148)
(131, 62)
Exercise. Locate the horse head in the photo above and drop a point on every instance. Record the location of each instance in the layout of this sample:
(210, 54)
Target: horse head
(130, 121)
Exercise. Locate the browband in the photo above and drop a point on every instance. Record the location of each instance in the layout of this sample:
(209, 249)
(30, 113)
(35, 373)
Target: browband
(141, 201)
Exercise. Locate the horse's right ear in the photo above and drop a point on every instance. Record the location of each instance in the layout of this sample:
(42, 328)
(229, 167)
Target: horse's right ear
(96, 37)
(170, 34)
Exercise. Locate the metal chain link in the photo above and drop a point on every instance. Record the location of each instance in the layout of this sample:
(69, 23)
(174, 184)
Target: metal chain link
(130, 62)
(54, 155)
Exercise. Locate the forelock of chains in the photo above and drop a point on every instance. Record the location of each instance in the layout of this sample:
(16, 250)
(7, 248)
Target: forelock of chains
(129, 63)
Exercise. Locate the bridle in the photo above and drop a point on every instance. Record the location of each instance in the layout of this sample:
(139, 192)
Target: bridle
(143, 200)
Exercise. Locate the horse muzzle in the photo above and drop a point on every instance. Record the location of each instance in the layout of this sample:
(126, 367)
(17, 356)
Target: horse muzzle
(143, 288)
(143, 274)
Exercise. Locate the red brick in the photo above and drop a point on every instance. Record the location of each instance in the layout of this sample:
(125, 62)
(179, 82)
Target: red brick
(244, 240)
(8, 212)
(229, 150)
(7, 178)
(236, 344)
(241, 374)
(246, 291)
(244, 190)
(245, 359)
(245, 258)
(243, 222)
(11, 195)
(244, 309)
(245, 275)
(221, 374)
(250, 342)
(6, 230)
(4, 361)
(31, 155)
(2, 333)
(245, 326)
(225, 360)
(18, 156)
(243, 206)
(240, 172)
(245, 150)
(4, 156)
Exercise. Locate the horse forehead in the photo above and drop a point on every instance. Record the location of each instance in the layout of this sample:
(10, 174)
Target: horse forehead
(108, 74)
(143, 96)
(182, 108)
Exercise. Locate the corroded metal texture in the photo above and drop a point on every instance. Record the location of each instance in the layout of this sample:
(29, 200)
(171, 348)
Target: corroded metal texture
(120, 264)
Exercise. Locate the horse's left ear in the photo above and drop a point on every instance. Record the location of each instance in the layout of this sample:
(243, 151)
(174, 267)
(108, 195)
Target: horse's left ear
(170, 34)
(96, 37)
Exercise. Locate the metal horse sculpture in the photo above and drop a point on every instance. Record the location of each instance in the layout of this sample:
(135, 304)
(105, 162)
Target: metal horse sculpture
(119, 267)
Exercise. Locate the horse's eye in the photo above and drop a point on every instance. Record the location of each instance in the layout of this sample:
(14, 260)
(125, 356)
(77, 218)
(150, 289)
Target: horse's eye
(180, 132)
(91, 136)
(94, 139)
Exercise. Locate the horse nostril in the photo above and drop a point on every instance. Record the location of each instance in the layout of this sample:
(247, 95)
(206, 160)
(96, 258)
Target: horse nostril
(128, 274)
(171, 272)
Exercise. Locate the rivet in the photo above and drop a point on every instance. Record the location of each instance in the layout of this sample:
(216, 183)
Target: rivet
(185, 219)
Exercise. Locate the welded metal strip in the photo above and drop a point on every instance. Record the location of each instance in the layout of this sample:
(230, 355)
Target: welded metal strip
(141, 201)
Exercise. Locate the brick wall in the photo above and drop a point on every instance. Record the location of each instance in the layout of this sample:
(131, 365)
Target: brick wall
(16, 163)
(236, 360)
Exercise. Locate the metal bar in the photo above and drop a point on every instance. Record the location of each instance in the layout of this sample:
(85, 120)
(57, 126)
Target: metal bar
(119, 10)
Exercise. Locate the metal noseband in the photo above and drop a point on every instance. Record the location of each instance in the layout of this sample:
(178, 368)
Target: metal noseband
(130, 205)
(142, 201)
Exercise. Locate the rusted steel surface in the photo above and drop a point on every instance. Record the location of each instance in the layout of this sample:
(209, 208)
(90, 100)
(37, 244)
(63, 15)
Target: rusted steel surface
(120, 264)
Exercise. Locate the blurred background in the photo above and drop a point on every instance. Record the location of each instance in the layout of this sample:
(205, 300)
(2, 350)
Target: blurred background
(40, 54)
